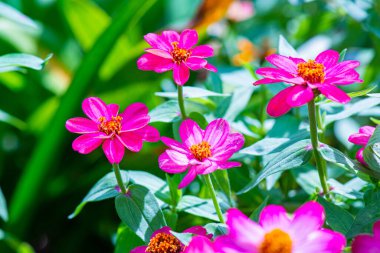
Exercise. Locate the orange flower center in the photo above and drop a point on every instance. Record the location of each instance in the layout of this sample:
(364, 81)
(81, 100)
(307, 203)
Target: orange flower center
(311, 71)
(112, 126)
(164, 243)
(179, 54)
(276, 241)
(201, 151)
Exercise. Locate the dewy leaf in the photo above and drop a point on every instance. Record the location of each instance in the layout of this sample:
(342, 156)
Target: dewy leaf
(372, 151)
(9, 61)
(126, 240)
(198, 207)
(3, 207)
(333, 155)
(291, 157)
(192, 92)
(337, 218)
(140, 211)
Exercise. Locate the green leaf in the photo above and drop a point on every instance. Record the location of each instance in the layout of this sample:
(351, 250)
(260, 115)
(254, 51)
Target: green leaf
(256, 214)
(171, 218)
(223, 184)
(362, 92)
(342, 54)
(333, 155)
(376, 121)
(291, 157)
(192, 92)
(14, 15)
(216, 229)
(140, 211)
(198, 207)
(11, 120)
(185, 238)
(199, 118)
(337, 218)
(3, 207)
(166, 112)
(175, 193)
(284, 48)
(11, 62)
(126, 240)
(372, 151)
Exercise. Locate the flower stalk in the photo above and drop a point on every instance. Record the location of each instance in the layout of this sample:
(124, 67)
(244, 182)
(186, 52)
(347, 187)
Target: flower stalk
(211, 189)
(119, 179)
(181, 102)
(320, 162)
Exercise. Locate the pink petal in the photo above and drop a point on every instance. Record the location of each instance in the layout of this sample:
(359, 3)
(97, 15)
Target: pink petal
(156, 41)
(280, 75)
(190, 133)
(113, 109)
(95, 108)
(265, 81)
(228, 165)
(199, 244)
(190, 176)
(365, 244)
(207, 167)
(349, 77)
(341, 67)
(296, 60)
(334, 93)
(376, 229)
(87, 143)
(367, 130)
(165, 230)
(173, 144)
(242, 231)
(216, 132)
(202, 51)
(140, 249)
(197, 230)
(114, 150)
(360, 157)
(323, 240)
(170, 36)
(359, 139)
(195, 63)
(135, 116)
(277, 105)
(225, 244)
(282, 62)
(210, 67)
(159, 52)
(300, 95)
(274, 216)
(172, 162)
(234, 143)
(148, 133)
(307, 218)
(328, 58)
(81, 126)
(188, 38)
(155, 63)
(181, 73)
(131, 141)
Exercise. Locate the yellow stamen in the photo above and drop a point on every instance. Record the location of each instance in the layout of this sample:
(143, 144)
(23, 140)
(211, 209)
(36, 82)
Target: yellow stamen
(112, 126)
(164, 243)
(201, 151)
(179, 54)
(311, 71)
(276, 241)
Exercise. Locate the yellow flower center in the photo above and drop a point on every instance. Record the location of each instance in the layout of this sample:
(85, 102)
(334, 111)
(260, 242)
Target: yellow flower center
(179, 54)
(164, 243)
(112, 126)
(311, 71)
(276, 241)
(201, 151)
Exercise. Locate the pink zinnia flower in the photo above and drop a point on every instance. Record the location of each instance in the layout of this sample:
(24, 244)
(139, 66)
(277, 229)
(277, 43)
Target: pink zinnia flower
(116, 131)
(162, 240)
(362, 139)
(309, 79)
(276, 232)
(364, 243)
(171, 51)
(201, 151)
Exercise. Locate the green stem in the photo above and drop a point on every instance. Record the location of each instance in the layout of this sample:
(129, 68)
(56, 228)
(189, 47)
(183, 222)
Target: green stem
(320, 123)
(213, 197)
(181, 102)
(320, 162)
(119, 179)
(173, 194)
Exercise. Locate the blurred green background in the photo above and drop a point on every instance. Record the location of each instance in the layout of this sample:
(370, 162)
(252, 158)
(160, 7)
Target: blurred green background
(95, 45)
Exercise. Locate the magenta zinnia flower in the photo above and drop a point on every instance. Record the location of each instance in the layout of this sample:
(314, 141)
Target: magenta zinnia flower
(162, 240)
(311, 78)
(276, 232)
(173, 51)
(364, 243)
(116, 131)
(362, 139)
(201, 151)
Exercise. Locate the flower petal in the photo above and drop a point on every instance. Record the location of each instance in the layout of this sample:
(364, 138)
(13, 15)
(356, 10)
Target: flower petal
(280, 75)
(197, 230)
(367, 130)
(300, 95)
(148, 133)
(114, 150)
(140, 249)
(181, 73)
(360, 156)
(131, 141)
(156, 41)
(170, 37)
(199, 244)
(228, 165)
(334, 93)
(365, 244)
(173, 162)
(324, 240)
(359, 139)
(155, 63)
(113, 109)
(348, 77)
(188, 38)
(202, 51)
(190, 133)
(265, 81)
(95, 108)
(135, 116)
(274, 216)
(376, 229)
(159, 52)
(277, 105)
(282, 62)
(81, 126)
(190, 176)
(210, 67)
(173, 144)
(328, 58)
(196, 63)
(87, 143)
(341, 68)
(217, 132)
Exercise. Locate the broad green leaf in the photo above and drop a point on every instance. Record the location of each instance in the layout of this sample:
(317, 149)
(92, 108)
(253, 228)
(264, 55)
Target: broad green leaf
(192, 92)
(140, 211)
(256, 213)
(126, 240)
(337, 218)
(216, 229)
(239, 101)
(165, 112)
(284, 48)
(199, 118)
(14, 15)
(171, 218)
(3, 207)
(333, 155)
(11, 120)
(14, 61)
(372, 151)
(198, 207)
(291, 157)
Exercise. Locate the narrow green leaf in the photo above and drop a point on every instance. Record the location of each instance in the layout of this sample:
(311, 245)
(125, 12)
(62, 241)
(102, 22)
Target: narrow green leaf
(342, 54)
(256, 214)
(126, 240)
(3, 207)
(11, 120)
(376, 121)
(14, 15)
(140, 211)
(21, 60)
(333, 155)
(362, 92)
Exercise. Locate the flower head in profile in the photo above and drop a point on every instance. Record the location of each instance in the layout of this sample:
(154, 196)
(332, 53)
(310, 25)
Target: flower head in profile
(308, 78)
(362, 138)
(201, 151)
(163, 241)
(365, 243)
(276, 232)
(115, 132)
(173, 51)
